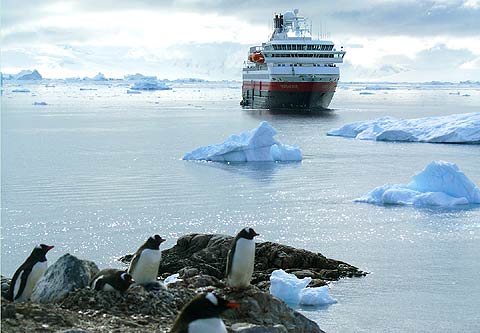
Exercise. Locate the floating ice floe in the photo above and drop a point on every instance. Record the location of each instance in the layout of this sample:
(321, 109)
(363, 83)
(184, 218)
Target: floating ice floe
(256, 145)
(293, 290)
(87, 89)
(367, 93)
(456, 128)
(149, 85)
(133, 91)
(439, 184)
(39, 103)
(21, 90)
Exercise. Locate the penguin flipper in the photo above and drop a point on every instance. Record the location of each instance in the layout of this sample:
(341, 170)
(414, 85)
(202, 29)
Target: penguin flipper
(23, 276)
(230, 258)
(134, 262)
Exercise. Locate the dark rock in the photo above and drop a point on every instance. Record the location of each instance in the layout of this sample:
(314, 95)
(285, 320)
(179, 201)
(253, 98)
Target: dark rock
(207, 254)
(262, 309)
(67, 274)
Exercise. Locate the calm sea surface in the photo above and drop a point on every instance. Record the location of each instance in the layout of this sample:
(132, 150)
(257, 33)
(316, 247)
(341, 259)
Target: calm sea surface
(95, 172)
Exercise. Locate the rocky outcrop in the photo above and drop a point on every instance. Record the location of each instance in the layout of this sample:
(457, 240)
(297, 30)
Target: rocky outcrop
(67, 274)
(207, 254)
(264, 310)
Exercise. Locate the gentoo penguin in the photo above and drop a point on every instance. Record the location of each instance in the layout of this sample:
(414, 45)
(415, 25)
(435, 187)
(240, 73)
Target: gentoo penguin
(202, 315)
(111, 279)
(241, 258)
(27, 275)
(145, 262)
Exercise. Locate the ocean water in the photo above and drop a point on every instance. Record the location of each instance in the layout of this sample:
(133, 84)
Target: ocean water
(95, 172)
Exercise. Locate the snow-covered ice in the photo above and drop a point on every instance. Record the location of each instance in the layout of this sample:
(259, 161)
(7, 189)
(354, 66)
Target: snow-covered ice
(256, 145)
(149, 85)
(439, 184)
(293, 290)
(172, 279)
(456, 128)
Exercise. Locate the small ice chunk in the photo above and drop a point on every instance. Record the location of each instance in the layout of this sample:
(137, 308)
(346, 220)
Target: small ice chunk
(87, 89)
(287, 286)
(256, 145)
(21, 90)
(172, 279)
(293, 290)
(439, 184)
(316, 296)
(456, 128)
(39, 103)
(133, 91)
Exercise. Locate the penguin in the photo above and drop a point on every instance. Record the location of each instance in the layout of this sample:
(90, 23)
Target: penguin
(111, 279)
(144, 265)
(202, 315)
(28, 274)
(241, 258)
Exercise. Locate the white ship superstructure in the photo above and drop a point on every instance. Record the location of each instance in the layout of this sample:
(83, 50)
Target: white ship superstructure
(291, 70)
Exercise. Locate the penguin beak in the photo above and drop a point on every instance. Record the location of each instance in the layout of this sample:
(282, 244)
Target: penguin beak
(255, 234)
(132, 281)
(232, 305)
(162, 240)
(50, 247)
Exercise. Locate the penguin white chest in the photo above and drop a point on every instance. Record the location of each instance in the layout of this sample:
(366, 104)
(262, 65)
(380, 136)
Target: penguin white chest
(207, 325)
(35, 274)
(243, 261)
(146, 268)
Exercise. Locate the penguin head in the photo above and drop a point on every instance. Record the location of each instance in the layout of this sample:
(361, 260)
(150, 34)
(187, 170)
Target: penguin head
(154, 242)
(247, 233)
(208, 305)
(41, 250)
(126, 278)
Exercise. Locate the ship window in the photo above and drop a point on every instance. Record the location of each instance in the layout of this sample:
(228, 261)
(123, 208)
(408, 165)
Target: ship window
(289, 47)
(294, 47)
(284, 47)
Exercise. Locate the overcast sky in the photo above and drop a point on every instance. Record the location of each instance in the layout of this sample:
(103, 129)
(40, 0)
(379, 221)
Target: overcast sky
(385, 40)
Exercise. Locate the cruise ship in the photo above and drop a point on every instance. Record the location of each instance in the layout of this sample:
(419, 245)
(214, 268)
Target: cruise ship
(292, 70)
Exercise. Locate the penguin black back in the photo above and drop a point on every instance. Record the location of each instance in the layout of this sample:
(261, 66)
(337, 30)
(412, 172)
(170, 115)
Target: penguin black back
(247, 233)
(19, 279)
(111, 278)
(202, 306)
(152, 243)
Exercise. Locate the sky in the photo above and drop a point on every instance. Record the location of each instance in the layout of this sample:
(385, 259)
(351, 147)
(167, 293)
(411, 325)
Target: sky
(385, 40)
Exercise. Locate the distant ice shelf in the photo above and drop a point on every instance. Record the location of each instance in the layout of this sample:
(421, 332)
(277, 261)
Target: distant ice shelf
(439, 184)
(456, 128)
(293, 290)
(256, 145)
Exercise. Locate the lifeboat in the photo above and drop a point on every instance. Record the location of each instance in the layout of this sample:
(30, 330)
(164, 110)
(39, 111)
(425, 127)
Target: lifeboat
(256, 57)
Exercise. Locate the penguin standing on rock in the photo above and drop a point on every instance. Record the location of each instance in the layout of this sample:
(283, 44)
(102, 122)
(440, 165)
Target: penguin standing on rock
(202, 315)
(28, 274)
(241, 259)
(144, 265)
(111, 279)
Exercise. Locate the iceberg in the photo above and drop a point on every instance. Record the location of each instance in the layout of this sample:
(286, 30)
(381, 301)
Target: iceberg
(256, 145)
(28, 75)
(439, 184)
(149, 85)
(138, 76)
(456, 128)
(293, 290)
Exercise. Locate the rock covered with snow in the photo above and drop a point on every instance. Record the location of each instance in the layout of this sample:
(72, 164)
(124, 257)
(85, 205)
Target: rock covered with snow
(28, 75)
(293, 290)
(439, 184)
(149, 84)
(65, 275)
(456, 128)
(256, 145)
